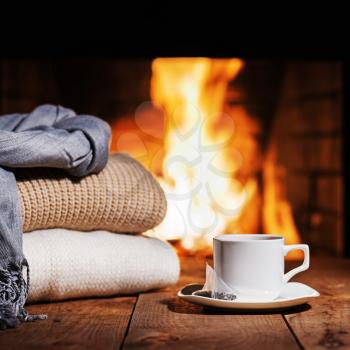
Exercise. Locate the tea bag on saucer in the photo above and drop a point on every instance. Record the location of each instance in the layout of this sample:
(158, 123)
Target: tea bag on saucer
(215, 286)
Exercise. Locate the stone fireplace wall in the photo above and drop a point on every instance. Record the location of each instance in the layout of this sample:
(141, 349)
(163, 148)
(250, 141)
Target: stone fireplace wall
(309, 134)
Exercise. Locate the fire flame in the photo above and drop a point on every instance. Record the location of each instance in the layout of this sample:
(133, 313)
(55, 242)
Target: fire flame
(208, 155)
(198, 170)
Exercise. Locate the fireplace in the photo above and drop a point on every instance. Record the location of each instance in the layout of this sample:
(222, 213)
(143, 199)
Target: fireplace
(238, 145)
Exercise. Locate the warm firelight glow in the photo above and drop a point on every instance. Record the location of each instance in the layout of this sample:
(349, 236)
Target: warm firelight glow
(209, 156)
(198, 171)
(277, 212)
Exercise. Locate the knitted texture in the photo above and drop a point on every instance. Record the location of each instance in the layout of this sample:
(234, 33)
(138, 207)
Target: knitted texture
(123, 197)
(70, 264)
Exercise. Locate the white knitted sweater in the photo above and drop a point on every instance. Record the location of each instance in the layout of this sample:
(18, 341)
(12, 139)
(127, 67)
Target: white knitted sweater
(70, 264)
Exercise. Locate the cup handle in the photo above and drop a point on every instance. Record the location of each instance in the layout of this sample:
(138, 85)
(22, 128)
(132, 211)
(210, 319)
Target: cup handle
(304, 266)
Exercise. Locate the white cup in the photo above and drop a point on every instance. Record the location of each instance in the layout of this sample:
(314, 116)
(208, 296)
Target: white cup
(253, 265)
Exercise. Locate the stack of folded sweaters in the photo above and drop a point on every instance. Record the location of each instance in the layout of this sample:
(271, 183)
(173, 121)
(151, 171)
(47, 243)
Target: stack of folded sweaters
(80, 211)
(67, 262)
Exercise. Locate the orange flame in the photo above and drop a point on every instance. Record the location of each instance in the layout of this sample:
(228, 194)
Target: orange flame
(198, 168)
(206, 160)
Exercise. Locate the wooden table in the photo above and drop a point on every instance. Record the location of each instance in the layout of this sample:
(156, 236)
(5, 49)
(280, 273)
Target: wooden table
(160, 320)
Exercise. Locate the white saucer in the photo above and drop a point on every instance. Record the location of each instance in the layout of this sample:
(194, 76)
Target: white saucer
(292, 294)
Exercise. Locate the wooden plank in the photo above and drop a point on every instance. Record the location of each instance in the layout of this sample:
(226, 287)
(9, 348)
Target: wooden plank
(84, 324)
(163, 321)
(327, 323)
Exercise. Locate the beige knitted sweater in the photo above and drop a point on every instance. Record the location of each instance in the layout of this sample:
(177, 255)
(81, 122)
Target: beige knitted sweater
(123, 197)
